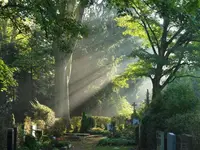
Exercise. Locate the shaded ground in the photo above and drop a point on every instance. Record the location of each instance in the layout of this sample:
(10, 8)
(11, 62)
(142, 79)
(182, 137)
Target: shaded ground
(90, 144)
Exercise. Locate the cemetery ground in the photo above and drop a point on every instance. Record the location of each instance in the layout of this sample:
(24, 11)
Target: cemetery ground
(43, 131)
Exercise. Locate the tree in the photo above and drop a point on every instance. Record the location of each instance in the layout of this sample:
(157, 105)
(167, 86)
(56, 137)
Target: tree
(170, 34)
(6, 76)
(61, 21)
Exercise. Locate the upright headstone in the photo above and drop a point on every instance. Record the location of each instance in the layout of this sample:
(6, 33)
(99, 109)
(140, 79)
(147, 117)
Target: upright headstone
(171, 141)
(34, 128)
(10, 139)
(160, 136)
(109, 128)
(15, 138)
(185, 142)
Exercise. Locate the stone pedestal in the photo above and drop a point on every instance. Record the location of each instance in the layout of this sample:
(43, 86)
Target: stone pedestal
(171, 141)
(160, 137)
(10, 139)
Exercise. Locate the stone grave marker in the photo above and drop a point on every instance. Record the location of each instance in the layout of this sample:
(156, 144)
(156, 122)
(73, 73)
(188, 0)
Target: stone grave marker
(34, 128)
(15, 138)
(109, 127)
(10, 139)
(184, 142)
(160, 137)
(171, 141)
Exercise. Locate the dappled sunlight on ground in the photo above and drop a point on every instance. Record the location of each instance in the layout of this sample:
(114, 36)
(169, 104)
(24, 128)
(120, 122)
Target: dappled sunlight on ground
(90, 144)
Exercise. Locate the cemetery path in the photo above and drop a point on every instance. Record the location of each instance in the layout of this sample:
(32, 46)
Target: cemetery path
(86, 143)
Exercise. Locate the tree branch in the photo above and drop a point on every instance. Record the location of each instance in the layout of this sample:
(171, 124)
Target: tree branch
(164, 36)
(145, 27)
(176, 68)
(154, 35)
(181, 40)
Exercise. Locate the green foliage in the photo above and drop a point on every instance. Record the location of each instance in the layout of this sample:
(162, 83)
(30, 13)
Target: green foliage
(6, 76)
(76, 123)
(31, 142)
(20, 134)
(180, 98)
(115, 142)
(187, 123)
(59, 127)
(172, 49)
(85, 123)
(98, 131)
(129, 132)
(40, 124)
(42, 112)
(101, 121)
(27, 125)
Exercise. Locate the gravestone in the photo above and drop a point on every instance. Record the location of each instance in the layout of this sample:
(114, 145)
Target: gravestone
(34, 128)
(15, 138)
(184, 142)
(10, 139)
(136, 121)
(109, 127)
(160, 140)
(171, 141)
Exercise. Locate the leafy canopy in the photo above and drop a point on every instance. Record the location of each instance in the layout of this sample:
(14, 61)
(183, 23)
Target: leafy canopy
(6, 76)
(170, 37)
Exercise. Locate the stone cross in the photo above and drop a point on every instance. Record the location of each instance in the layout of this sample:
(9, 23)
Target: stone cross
(134, 109)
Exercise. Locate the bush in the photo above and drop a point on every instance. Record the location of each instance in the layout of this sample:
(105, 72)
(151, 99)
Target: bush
(187, 124)
(101, 121)
(115, 142)
(59, 127)
(76, 123)
(27, 125)
(98, 131)
(84, 123)
(23, 148)
(40, 124)
(31, 142)
(42, 112)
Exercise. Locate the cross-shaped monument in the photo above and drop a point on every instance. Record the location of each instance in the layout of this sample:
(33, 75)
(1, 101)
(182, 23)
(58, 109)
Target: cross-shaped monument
(134, 107)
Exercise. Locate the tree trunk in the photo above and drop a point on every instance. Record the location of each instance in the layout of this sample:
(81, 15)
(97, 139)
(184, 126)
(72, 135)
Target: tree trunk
(63, 64)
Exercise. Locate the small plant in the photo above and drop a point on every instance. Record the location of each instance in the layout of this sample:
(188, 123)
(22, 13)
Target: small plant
(40, 124)
(31, 142)
(97, 131)
(115, 142)
(27, 125)
(76, 123)
(59, 127)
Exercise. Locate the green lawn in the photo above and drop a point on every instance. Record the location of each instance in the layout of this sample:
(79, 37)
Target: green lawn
(112, 148)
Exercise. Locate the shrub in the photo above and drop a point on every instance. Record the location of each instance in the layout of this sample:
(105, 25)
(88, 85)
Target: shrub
(76, 123)
(129, 132)
(186, 123)
(115, 142)
(31, 142)
(119, 120)
(20, 134)
(42, 112)
(84, 123)
(27, 125)
(101, 121)
(97, 131)
(40, 124)
(23, 148)
(58, 128)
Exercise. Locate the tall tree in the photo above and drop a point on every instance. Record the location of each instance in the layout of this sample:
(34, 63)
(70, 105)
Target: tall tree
(61, 21)
(170, 33)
